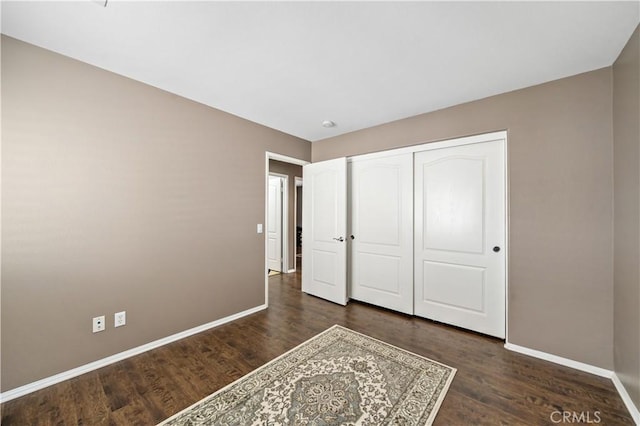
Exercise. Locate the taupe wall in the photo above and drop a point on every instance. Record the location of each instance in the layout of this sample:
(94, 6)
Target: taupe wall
(119, 196)
(560, 189)
(292, 171)
(626, 160)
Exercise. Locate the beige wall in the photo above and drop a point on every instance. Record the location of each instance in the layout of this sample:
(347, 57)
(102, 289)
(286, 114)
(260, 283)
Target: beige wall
(560, 189)
(119, 196)
(292, 171)
(626, 160)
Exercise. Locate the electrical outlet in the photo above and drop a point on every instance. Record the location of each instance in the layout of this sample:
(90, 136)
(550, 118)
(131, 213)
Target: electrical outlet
(119, 319)
(98, 324)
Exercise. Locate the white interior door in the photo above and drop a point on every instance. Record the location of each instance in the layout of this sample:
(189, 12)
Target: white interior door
(274, 224)
(324, 219)
(460, 236)
(381, 223)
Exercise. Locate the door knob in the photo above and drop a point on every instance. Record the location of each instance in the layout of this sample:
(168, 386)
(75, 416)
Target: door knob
(339, 239)
(353, 238)
(496, 249)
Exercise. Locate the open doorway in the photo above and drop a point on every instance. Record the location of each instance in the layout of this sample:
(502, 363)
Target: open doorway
(283, 216)
(284, 174)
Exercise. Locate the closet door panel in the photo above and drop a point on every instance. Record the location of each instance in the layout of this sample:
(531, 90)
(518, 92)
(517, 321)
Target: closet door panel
(460, 236)
(454, 204)
(381, 222)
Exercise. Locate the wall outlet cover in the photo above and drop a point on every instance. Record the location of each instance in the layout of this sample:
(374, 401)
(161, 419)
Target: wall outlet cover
(120, 319)
(98, 324)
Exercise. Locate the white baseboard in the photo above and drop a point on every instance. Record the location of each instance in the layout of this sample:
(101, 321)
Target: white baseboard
(291, 270)
(635, 413)
(66, 375)
(633, 410)
(560, 360)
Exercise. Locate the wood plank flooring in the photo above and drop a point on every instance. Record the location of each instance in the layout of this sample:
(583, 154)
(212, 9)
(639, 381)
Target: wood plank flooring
(493, 386)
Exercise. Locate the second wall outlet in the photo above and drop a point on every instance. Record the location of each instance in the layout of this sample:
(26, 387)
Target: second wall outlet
(119, 319)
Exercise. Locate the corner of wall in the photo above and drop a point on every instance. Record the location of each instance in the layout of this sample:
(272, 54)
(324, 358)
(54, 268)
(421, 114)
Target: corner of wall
(626, 283)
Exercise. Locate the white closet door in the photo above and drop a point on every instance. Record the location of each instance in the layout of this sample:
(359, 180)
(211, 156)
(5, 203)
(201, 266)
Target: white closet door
(274, 224)
(381, 222)
(460, 236)
(324, 223)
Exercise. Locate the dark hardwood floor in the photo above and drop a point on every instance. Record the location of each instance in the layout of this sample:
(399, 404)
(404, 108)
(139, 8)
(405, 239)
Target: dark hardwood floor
(493, 386)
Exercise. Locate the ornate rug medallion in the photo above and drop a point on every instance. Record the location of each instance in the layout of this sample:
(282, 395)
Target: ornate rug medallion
(339, 377)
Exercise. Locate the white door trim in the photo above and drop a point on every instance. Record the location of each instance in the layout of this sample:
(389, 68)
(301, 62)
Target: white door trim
(286, 159)
(447, 143)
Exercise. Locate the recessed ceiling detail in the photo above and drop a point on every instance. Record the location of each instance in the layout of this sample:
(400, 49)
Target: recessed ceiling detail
(284, 64)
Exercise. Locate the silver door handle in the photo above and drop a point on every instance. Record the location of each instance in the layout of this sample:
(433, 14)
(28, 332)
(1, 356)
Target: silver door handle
(339, 239)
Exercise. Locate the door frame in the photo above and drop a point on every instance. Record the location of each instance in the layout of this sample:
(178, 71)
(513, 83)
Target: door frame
(284, 220)
(268, 155)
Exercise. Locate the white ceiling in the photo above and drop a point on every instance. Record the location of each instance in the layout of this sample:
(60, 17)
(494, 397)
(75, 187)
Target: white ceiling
(291, 65)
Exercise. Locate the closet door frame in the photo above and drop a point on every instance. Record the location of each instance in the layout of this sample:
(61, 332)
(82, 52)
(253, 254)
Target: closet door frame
(453, 142)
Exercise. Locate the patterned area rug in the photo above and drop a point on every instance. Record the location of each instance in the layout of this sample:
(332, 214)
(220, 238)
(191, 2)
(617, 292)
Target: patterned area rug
(338, 377)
